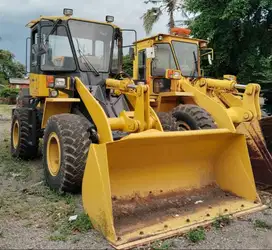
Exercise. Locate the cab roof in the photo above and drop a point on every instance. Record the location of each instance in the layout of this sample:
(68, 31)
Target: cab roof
(172, 36)
(64, 18)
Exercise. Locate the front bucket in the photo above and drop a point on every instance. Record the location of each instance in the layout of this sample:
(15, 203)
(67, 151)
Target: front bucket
(153, 185)
(260, 156)
(266, 126)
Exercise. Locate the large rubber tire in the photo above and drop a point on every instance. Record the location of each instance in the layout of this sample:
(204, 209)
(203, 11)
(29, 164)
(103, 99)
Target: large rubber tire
(168, 122)
(194, 116)
(20, 128)
(72, 133)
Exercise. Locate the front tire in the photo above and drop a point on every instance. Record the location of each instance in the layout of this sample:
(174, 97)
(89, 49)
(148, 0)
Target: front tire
(21, 146)
(66, 146)
(192, 117)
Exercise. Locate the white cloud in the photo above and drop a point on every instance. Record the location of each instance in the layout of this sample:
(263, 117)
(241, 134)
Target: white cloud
(14, 14)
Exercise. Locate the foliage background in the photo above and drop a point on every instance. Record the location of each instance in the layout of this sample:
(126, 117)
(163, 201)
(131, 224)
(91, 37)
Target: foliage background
(239, 31)
(9, 67)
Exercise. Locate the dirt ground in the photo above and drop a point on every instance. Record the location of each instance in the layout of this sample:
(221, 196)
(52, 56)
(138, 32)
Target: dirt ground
(34, 217)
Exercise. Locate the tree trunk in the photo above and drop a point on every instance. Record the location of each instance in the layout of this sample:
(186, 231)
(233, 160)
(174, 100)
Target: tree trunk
(171, 8)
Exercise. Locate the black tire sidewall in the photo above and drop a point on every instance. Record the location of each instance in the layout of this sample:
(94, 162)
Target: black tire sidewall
(53, 181)
(15, 152)
(184, 117)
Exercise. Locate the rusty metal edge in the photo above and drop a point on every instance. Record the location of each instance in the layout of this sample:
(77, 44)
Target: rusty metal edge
(179, 232)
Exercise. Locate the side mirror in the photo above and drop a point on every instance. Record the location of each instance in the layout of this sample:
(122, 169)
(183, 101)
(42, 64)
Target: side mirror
(210, 59)
(150, 53)
(131, 53)
(207, 54)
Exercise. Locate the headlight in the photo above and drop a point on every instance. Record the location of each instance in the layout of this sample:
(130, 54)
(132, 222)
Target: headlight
(54, 93)
(67, 12)
(109, 19)
(173, 74)
(60, 83)
(160, 37)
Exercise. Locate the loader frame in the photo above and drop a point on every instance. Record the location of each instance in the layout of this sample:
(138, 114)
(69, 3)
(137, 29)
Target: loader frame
(231, 105)
(101, 137)
(241, 106)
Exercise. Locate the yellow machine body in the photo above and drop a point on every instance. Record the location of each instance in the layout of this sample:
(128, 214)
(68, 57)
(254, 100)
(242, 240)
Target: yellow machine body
(232, 105)
(152, 185)
(149, 184)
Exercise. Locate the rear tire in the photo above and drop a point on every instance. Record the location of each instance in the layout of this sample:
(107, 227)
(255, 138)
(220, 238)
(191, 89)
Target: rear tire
(192, 117)
(21, 146)
(69, 135)
(168, 122)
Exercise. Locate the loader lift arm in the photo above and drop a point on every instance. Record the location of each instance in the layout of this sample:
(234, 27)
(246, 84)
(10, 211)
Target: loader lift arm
(142, 118)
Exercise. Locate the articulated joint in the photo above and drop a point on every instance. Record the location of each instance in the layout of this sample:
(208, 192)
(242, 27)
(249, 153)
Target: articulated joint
(239, 115)
(252, 88)
(124, 123)
(124, 85)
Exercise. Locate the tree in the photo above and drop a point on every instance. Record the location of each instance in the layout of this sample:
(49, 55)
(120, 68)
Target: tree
(153, 14)
(240, 33)
(9, 67)
(128, 65)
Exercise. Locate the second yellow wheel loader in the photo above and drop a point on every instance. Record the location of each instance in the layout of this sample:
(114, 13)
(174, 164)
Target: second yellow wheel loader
(139, 183)
(186, 100)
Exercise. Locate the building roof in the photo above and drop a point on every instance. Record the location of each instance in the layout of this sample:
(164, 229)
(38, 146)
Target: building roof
(18, 81)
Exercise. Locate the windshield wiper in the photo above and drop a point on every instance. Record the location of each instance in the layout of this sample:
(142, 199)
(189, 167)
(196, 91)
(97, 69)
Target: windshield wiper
(196, 64)
(87, 62)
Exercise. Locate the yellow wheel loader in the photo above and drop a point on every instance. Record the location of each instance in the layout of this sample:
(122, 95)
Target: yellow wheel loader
(186, 100)
(101, 136)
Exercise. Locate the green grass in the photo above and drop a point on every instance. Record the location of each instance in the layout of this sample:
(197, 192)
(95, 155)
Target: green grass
(67, 228)
(262, 224)
(11, 167)
(81, 224)
(5, 110)
(161, 245)
(58, 237)
(222, 221)
(196, 235)
(29, 198)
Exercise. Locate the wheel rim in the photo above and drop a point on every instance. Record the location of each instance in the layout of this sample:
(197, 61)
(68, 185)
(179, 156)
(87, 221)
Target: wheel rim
(181, 126)
(15, 134)
(53, 154)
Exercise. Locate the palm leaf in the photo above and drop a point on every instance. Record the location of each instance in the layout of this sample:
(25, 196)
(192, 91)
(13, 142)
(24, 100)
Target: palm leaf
(171, 6)
(150, 18)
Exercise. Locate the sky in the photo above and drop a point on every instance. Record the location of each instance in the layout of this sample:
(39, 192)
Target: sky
(15, 14)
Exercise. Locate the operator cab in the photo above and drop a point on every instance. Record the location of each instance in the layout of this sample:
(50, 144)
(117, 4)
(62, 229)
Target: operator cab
(64, 45)
(176, 51)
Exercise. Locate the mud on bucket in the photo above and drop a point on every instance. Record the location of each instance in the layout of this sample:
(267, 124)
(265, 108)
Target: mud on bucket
(149, 186)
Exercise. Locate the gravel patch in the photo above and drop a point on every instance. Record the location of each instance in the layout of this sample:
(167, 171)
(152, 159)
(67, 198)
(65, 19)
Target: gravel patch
(240, 234)
(18, 235)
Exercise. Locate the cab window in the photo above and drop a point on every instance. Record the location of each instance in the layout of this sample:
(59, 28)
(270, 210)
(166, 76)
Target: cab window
(164, 58)
(58, 56)
(141, 65)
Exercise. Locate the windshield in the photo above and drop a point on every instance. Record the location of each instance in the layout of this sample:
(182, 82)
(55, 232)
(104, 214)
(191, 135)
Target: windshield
(59, 56)
(187, 56)
(163, 59)
(92, 42)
